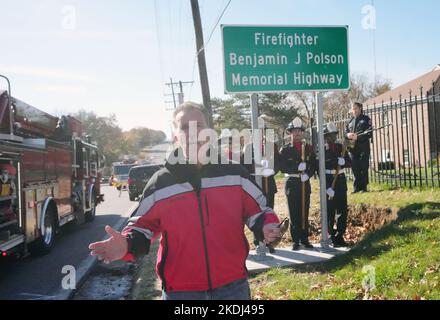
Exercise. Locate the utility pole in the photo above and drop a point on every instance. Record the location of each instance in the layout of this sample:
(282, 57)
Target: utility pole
(179, 94)
(181, 99)
(201, 59)
(172, 92)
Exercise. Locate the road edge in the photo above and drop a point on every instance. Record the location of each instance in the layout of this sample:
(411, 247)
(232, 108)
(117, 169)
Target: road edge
(85, 266)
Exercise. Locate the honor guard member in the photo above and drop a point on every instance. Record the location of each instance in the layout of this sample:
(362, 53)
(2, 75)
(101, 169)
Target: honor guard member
(298, 163)
(336, 160)
(270, 166)
(359, 146)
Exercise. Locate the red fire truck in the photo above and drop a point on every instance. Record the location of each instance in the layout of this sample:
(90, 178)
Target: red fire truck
(49, 176)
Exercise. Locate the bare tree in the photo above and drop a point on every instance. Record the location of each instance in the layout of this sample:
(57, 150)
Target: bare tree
(337, 104)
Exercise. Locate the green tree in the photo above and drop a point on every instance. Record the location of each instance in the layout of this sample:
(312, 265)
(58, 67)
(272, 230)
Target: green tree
(337, 104)
(234, 111)
(105, 132)
(281, 108)
(141, 137)
(230, 113)
(112, 141)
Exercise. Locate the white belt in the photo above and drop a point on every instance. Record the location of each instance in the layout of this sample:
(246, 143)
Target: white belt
(292, 175)
(334, 171)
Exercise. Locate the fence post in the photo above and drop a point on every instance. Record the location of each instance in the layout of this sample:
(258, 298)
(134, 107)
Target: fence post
(425, 155)
(436, 142)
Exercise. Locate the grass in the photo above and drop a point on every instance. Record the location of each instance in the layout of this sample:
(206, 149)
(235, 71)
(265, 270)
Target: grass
(402, 257)
(386, 196)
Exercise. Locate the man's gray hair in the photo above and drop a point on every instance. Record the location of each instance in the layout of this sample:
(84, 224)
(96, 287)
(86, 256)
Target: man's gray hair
(190, 106)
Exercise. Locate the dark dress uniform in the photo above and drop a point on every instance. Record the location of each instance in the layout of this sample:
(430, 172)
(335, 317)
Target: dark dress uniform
(337, 206)
(290, 158)
(360, 154)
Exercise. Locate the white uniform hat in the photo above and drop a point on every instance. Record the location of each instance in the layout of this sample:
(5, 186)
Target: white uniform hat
(330, 128)
(296, 124)
(226, 133)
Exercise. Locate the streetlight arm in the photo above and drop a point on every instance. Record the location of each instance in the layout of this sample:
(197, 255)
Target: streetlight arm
(9, 84)
(11, 122)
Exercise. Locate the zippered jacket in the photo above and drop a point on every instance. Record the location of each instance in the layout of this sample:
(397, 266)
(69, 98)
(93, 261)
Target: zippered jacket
(200, 214)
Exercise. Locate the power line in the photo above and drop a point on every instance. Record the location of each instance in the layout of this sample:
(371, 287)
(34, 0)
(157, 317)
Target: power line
(206, 44)
(216, 24)
(180, 94)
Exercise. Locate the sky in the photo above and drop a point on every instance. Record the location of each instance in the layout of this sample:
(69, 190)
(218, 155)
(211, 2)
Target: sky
(114, 56)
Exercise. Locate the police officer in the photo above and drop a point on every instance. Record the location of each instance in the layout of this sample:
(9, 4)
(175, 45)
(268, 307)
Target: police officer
(360, 146)
(269, 186)
(297, 188)
(336, 160)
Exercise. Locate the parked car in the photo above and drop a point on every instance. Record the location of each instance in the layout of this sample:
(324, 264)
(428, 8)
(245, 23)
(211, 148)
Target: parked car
(138, 177)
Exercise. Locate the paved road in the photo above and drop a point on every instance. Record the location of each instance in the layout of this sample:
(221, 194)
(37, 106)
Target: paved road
(40, 277)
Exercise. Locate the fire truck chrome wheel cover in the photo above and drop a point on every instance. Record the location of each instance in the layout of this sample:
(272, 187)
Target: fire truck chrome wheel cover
(48, 228)
(92, 207)
(91, 196)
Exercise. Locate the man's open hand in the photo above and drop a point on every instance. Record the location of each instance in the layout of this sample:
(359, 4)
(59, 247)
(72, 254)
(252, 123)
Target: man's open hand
(271, 233)
(114, 248)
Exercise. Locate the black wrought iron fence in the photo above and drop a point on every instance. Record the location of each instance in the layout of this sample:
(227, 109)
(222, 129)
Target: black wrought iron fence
(406, 151)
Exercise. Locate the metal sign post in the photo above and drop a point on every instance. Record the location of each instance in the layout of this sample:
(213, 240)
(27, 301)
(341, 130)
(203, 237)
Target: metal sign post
(256, 138)
(322, 178)
(261, 249)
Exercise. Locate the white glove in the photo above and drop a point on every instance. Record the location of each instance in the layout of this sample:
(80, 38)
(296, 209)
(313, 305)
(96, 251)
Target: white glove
(330, 192)
(341, 162)
(304, 177)
(265, 163)
(267, 172)
(302, 166)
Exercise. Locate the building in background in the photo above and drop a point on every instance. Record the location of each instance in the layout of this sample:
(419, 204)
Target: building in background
(412, 111)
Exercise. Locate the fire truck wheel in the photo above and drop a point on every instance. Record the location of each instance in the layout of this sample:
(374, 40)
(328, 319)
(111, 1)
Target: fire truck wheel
(90, 215)
(45, 243)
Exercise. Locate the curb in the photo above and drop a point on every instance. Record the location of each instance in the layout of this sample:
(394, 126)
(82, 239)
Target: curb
(86, 265)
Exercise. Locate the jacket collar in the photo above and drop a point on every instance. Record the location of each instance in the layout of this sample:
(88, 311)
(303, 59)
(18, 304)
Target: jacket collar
(182, 170)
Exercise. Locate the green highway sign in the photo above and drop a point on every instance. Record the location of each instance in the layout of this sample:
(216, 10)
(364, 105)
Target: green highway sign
(261, 59)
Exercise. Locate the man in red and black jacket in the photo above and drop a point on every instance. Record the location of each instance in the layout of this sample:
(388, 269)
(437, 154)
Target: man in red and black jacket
(200, 212)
